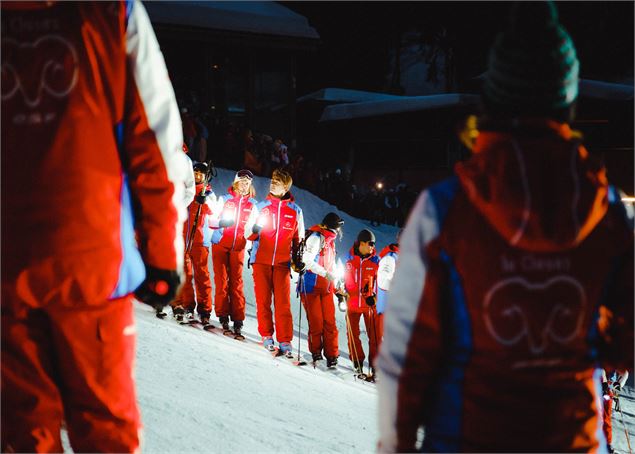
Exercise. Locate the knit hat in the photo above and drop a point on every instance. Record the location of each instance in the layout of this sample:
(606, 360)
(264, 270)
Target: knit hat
(332, 221)
(365, 236)
(533, 67)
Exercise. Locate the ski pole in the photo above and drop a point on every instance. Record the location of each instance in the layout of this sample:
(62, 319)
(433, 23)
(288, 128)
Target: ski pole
(300, 362)
(628, 441)
(351, 342)
(373, 320)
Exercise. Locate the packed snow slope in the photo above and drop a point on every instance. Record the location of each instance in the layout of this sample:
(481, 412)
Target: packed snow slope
(204, 392)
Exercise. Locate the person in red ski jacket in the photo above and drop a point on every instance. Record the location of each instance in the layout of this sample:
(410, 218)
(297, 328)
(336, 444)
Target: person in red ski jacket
(92, 191)
(611, 387)
(360, 281)
(515, 277)
(317, 287)
(275, 226)
(228, 249)
(196, 292)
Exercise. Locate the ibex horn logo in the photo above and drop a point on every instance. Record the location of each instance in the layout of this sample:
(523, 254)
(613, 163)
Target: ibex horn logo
(551, 311)
(49, 64)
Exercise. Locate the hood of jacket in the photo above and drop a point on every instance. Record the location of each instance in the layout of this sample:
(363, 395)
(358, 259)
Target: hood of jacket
(388, 249)
(540, 190)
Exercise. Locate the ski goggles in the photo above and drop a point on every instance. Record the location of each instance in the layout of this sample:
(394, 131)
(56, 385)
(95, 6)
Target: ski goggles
(244, 175)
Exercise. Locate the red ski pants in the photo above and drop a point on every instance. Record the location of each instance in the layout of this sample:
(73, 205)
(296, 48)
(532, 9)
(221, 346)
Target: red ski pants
(197, 269)
(320, 313)
(73, 364)
(274, 280)
(607, 425)
(229, 299)
(371, 321)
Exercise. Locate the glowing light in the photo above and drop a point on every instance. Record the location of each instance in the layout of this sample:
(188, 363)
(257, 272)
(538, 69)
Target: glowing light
(379, 185)
(339, 270)
(628, 199)
(228, 215)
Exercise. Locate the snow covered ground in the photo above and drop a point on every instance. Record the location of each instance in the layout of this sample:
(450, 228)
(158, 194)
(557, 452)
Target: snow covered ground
(204, 392)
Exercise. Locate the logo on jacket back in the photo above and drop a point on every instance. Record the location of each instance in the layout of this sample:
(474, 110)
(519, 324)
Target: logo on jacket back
(47, 66)
(539, 315)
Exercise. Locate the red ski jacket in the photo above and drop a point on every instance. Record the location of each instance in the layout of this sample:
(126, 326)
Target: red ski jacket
(203, 232)
(360, 278)
(282, 227)
(88, 153)
(237, 208)
(515, 281)
(323, 256)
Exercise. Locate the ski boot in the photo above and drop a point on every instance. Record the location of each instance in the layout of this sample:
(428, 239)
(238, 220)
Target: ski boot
(224, 321)
(317, 357)
(178, 313)
(286, 349)
(238, 327)
(205, 322)
(189, 316)
(331, 363)
(160, 313)
(359, 369)
(267, 342)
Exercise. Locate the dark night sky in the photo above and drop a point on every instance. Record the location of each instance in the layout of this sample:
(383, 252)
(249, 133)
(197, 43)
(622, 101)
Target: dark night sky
(356, 37)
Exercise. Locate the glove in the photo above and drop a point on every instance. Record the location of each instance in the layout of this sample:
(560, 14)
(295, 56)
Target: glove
(159, 288)
(200, 199)
(605, 390)
(226, 223)
(256, 229)
(298, 267)
(371, 300)
(617, 387)
(330, 276)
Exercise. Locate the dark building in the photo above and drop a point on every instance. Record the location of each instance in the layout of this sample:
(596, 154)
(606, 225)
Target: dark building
(414, 139)
(233, 65)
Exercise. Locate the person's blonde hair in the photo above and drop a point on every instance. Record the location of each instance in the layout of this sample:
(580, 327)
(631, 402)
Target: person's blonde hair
(252, 190)
(283, 176)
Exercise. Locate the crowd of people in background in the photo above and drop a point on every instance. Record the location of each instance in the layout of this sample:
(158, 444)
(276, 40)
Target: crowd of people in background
(260, 153)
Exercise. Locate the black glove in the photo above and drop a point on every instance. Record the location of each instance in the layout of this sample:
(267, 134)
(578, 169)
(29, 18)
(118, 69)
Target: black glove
(200, 199)
(371, 300)
(226, 223)
(256, 229)
(605, 389)
(617, 387)
(298, 267)
(159, 288)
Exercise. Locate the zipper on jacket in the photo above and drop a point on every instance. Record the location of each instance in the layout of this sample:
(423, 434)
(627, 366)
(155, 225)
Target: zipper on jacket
(236, 219)
(275, 245)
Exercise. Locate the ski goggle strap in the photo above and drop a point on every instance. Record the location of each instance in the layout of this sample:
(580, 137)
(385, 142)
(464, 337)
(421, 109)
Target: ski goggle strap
(243, 175)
